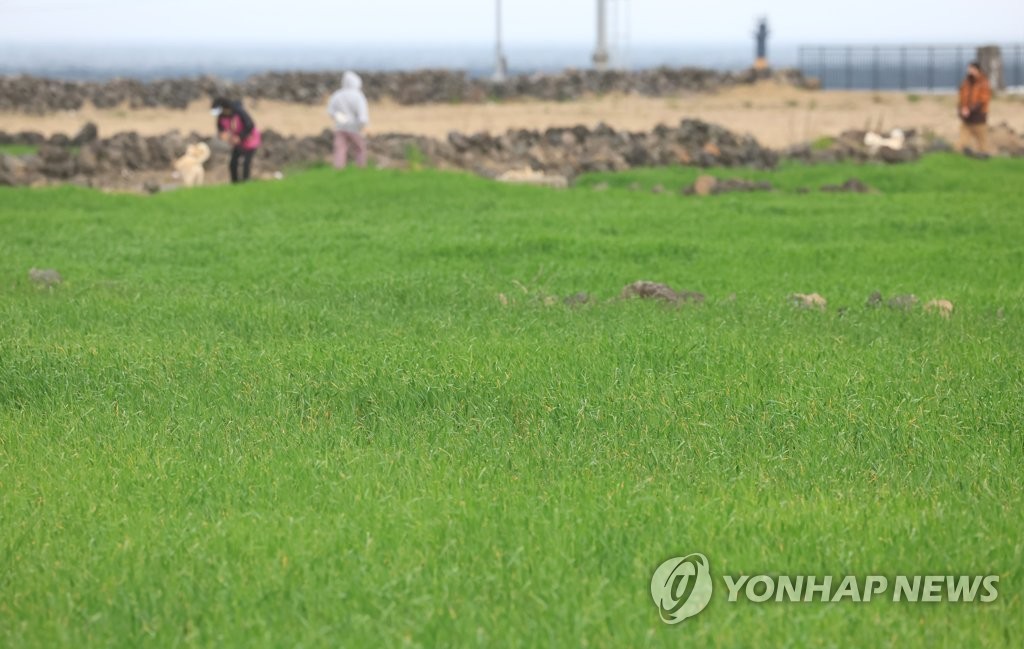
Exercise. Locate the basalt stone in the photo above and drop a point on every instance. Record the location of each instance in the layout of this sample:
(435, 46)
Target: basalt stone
(853, 185)
(904, 302)
(655, 290)
(730, 185)
(7, 178)
(45, 277)
(86, 135)
(703, 186)
(896, 156)
(88, 159)
(577, 299)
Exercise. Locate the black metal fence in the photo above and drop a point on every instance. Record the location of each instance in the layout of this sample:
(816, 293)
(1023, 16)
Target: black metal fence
(896, 67)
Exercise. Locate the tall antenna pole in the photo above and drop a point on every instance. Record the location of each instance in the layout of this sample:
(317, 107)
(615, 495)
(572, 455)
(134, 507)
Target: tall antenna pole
(601, 52)
(500, 63)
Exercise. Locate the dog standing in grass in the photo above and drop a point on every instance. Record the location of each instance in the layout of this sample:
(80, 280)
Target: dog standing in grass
(190, 165)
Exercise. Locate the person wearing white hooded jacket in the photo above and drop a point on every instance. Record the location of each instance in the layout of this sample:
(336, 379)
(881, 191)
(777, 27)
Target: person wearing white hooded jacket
(350, 112)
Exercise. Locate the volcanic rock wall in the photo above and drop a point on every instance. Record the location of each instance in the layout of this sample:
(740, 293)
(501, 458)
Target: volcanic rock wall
(564, 151)
(39, 96)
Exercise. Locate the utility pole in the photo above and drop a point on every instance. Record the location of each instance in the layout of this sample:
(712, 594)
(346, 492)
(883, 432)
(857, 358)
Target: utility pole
(601, 52)
(500, 63)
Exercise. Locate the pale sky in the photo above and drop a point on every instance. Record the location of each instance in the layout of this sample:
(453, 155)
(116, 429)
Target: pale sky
(527, 22)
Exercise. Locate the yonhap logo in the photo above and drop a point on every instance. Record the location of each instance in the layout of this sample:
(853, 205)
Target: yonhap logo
(681, 587)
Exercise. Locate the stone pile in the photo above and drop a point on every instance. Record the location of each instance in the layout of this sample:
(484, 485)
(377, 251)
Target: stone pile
(571, 151)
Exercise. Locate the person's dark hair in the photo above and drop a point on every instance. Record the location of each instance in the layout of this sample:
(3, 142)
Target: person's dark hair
(975, 65)
(221, 102)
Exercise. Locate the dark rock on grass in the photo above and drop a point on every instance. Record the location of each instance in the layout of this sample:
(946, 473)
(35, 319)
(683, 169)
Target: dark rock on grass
(644, 289)
(694, 297)
(577, 299)
(904, 302)
(740, 185)
(151, 187)
(708, 185)
(703, 186)
(44, 277)
(943, 307)
(853, 186)
(808, 301)
(874, 300)
(654, 290)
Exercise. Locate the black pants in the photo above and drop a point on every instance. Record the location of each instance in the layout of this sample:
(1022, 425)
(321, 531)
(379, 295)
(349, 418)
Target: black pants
(239, 154)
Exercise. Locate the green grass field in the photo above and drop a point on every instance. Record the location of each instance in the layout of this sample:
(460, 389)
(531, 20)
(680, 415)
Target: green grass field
(297, 414)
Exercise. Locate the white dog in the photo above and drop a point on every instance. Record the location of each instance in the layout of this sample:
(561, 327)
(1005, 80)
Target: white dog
(190, 165)
(874, 141)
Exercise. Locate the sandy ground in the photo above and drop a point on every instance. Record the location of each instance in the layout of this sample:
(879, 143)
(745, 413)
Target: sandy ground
(776, 115)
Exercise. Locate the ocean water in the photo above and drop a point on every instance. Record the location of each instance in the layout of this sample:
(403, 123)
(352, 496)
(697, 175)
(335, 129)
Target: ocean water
(151, 62)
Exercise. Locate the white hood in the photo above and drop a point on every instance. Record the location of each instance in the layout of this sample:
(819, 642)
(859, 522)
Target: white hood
(351, 81)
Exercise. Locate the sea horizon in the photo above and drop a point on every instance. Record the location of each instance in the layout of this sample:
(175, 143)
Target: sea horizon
(86, 62)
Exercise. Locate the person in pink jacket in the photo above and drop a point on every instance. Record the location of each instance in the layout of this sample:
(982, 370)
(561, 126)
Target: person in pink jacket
(235, 126)
(350, 112)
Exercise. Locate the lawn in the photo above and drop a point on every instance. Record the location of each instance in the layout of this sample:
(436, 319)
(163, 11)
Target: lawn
(344, 409)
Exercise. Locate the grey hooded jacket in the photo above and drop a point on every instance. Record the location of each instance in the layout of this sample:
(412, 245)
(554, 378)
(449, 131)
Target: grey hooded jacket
(348, 107)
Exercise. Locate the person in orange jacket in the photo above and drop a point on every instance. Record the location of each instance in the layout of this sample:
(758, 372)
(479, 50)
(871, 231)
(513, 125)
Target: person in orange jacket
(975, 95)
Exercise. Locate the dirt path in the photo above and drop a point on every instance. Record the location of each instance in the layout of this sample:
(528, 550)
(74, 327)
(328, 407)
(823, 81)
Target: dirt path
(776, 115)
